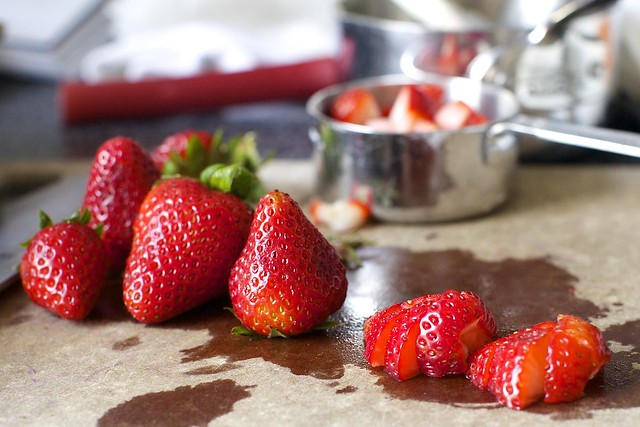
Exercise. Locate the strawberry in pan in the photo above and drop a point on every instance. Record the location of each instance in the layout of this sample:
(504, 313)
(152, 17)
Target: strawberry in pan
(434, 334)
(355, 106)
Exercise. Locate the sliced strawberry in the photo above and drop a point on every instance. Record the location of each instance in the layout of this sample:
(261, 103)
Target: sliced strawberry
(376, 334)
(355, 106)
(409, 106)
(340, 216)
(577, 352)
(377, 329)
(400, 360)
(455, 326)
(381, 124)
(479, 372)
(434, 94)
(515, 366)
(455, 115)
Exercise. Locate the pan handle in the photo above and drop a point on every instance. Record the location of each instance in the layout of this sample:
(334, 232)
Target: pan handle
(602, 139)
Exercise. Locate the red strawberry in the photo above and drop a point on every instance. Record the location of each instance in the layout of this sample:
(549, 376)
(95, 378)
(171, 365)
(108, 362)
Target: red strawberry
(455, 115)
(355, 106)
(514, 366)
(65, 267)
(400, 359)
(190, 152)
(550, 360)
(289, 278)
(410, 108)
(378, 327)
(185, 242)
(433, 334)
(577, 353)
(120, 177)
(178, 143)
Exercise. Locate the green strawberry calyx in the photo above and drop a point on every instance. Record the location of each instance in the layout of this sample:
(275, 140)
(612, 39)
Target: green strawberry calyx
(243, 331)
(234, 178)
(242, 149)
(82, 216)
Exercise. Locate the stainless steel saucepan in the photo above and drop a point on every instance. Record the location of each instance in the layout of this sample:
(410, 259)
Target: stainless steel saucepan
(441, 175)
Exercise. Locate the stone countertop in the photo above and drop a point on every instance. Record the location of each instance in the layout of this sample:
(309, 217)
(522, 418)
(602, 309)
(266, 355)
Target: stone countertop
(566, 242)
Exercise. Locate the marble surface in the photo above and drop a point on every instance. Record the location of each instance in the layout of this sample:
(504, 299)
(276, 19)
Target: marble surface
(566, 241)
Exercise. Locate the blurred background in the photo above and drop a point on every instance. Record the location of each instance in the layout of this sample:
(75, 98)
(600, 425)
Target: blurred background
(76, 72)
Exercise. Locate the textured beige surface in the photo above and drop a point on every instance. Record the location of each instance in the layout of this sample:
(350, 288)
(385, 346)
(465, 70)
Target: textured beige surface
(586, 219)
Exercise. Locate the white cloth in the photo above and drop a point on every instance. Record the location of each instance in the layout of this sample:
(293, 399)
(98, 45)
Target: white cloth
(179, 38)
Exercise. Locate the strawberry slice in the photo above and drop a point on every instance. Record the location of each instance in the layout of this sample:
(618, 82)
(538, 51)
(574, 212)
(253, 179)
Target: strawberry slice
(409, 106)
(378, 327)
(456, 325)
(577, 352)
(400, 360)
(434, 95)
(355, 106)
(518, 366)
(455, 115)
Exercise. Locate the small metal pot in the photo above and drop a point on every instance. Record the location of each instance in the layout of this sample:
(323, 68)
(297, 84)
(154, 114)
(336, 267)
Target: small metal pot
(442, 175)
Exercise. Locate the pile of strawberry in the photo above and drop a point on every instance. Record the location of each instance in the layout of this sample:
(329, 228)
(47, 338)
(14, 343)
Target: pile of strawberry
(178, 228)
(416, 108)
(454, 333)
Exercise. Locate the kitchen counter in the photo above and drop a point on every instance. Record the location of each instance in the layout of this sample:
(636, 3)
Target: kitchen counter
(566, 242)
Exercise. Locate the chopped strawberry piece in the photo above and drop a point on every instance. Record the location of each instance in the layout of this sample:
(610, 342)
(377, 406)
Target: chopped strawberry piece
(381, 124)
(434, 95)
(409, 106)
(355, 106)
(453, 115)
(340, 216)
(577, 352)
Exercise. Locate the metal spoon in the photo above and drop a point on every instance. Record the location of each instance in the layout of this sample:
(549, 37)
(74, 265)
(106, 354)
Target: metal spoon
(490, 65)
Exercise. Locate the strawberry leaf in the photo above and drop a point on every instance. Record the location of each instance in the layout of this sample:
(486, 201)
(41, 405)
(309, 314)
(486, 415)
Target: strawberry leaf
(243, 331)
(325, 326)
(234, 179)
(274, 333)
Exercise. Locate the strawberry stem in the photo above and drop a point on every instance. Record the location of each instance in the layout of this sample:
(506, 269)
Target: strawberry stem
(234, 179)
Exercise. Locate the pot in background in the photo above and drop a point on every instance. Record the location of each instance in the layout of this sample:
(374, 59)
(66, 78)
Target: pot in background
(415, 177)
(437, 175)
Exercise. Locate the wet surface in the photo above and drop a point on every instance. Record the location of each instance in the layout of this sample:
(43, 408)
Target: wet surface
(519, 292)
(511, 288)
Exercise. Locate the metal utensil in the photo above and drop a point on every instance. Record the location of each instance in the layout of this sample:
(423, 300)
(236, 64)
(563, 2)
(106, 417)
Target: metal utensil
(489, 65)
(442, 175)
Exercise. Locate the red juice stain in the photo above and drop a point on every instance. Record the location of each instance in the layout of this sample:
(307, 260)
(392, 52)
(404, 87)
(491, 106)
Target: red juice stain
(189, 406)
(519, 293)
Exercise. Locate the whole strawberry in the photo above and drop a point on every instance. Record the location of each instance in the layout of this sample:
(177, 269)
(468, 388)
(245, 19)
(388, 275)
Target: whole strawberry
(190, 152)
(186, 239)
(65, 266)
(120, 177)
(289, 278)
(174, 148)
